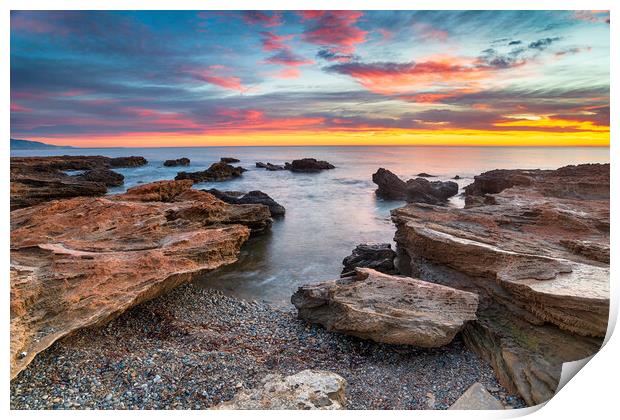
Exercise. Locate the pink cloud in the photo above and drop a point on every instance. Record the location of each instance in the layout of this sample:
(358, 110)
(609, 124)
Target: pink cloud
(273, 42)
(19, 108)
(254, 119)
(385, 34)
(594, 16)
(311, 14)
(288, 58)
(289, 73)
(427, 32)
(336, 30)
(256, 17)
(160, 118)
(212, 75)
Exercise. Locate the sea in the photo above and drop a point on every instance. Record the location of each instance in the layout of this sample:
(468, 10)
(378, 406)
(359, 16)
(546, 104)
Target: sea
(327, 213)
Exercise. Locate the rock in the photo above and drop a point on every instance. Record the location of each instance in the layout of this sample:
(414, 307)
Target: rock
(456, 177)
(252, 197)
(379, 257)
(36, 180)
(544, 299)
(106, 176)
(306, 390)
(308, 165)
(177, 162)
(387, 309)
(425, 175)
(476, 398)
(229, 160)
(80, 262)
(391, 187)
(270, 166)
(219, 171)
(420, 190)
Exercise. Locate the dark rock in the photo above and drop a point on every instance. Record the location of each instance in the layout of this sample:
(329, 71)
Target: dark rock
(425, 175)
(252, 197)
(106, 176)
(379, 257)
(127, 162)
(456, 177)
(270, 166)
(308, 165)
(391, 187)
(177, 162)
(219, 171)
(229, 160)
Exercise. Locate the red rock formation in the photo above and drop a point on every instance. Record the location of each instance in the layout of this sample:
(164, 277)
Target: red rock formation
(79, 263)
(536, 254)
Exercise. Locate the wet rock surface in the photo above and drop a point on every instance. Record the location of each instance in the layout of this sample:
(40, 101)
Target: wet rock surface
(418, 190)
(306, 390)
(80, 262)
(229, 160)
(37, 180)
(308, 165)
(270, 166)
(194, 348)
(177, 162)
(379, 257)
(387, 309)
(543, 300)
(219, 171)
(252, 197)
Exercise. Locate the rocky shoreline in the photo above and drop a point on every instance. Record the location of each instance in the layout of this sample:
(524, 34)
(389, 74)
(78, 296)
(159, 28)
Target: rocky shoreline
(194, 348)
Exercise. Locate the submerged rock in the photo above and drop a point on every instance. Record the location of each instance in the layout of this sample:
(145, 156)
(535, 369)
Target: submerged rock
(476, 398)
(270, 166)
(219, 171)
(379, 257)
(306, 390)
(36, 180)
(387, 309)
(177, 162)
(418, 190)
(308, 165)
(80, 262)
(252, 197)
(543, 301)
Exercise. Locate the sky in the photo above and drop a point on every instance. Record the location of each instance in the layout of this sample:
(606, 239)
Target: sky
(203, 78)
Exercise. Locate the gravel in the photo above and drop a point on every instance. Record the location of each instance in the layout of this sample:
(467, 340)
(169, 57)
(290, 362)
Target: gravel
(194, 348)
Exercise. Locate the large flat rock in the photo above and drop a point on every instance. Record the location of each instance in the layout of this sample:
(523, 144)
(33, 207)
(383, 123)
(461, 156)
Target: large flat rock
(536, 254)
(387, 309)
(80, 262)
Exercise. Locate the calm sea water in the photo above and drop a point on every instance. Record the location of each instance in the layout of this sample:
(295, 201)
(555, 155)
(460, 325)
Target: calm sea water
(329, 213)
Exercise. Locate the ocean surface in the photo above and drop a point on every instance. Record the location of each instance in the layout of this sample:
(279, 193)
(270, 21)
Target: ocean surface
(327, 213)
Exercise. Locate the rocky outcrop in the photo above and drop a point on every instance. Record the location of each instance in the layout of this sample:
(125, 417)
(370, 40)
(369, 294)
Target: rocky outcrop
(177, 162)
(426, 175)
(306, 390)
(219, 171)
(379, 257)
(252, 197)
(308, 165)
(476, 398)
(36, 180)
(80, 262)
(270, 166)
(418, 190)
(532, 252)
(229, 160)
(387, 309)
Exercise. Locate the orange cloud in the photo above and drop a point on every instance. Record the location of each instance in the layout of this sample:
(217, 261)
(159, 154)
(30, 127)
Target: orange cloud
(544, 122)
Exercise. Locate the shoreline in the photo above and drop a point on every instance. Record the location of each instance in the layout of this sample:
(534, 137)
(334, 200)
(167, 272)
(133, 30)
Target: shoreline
(194, 348)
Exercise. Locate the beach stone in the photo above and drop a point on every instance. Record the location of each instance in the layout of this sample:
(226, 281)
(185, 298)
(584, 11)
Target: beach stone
(308, 165)
(544, 299)
(81, 262)
(306, 390)
(177, 162)
(219, 171)
(379, 257)
(252, 197)
(476, 398)
(387, 309)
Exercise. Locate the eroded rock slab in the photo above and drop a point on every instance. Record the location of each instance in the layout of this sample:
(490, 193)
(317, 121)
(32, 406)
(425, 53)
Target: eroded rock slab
(387, 309)
(80, 262)
(306, 390)
(533, 254)
(252, 197)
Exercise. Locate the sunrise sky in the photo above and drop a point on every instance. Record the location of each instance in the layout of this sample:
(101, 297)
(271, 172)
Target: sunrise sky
(310, 78)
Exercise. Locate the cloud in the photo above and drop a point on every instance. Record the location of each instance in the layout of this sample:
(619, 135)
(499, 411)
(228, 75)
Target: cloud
(288, 73)
(517, 42)
(594, 16)
(543, 44)
(288, 58)
(328, 55)
(213, 75)
(257, 17)
(273, 42)
(334, 30)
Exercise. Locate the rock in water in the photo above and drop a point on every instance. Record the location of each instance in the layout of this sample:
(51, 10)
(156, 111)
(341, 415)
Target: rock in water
(270, 166)
(177, 162)
(36, 180)
(476, 398)
(219, 171)
(252, 197)
(80, 262)
(418, 190)
(387, 309)
(379, 257)
(306, 390)
(229, 160)
(543, 301)
(308, 165)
